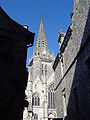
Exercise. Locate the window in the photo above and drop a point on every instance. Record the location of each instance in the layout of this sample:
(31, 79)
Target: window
(51, 96)
(45, 70)
(35, 117)
(35, 100)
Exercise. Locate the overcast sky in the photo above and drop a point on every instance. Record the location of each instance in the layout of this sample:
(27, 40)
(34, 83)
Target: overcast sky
(56, 16)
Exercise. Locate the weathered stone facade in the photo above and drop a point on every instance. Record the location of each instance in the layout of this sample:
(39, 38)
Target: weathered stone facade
(41, 81)
(72, 67)
(14, 39)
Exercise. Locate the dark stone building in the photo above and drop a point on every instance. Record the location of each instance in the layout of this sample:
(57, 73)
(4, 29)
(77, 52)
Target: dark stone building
(14, 40)
(72, 66)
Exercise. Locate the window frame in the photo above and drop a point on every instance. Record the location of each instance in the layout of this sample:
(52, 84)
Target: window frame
(35, 100)
(51, 96)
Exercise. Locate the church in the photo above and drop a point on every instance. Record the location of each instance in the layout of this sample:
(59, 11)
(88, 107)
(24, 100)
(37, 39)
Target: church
(40, 92)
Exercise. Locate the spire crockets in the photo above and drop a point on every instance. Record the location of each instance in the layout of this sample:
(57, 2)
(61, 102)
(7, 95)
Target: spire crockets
(41, 48)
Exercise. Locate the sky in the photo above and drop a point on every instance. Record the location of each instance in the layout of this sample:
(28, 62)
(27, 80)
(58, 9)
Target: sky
(56, 16)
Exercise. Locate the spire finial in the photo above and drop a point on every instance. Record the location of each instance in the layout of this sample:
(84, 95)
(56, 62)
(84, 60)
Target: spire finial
(41, 16)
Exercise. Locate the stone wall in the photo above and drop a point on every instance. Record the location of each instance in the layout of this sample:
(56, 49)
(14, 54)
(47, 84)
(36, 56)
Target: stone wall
(76, 79)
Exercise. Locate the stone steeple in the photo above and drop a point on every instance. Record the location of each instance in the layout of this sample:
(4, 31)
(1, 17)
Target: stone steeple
(41, 75)
(41, 48)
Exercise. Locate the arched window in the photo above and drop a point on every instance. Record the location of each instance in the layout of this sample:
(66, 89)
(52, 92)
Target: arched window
(35, 117)
(51, 96)
(35, 100)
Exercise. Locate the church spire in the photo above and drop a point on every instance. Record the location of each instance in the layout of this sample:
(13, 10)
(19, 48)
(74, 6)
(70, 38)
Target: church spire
(41, 48)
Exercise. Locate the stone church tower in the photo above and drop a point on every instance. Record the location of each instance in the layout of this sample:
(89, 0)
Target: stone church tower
(40, 89)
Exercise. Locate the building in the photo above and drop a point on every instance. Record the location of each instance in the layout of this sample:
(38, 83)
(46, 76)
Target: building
(14, 40)
(40, 89)
(72, 66)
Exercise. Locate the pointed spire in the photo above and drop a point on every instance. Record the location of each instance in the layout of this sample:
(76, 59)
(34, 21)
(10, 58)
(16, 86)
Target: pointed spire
(41, 44)
(41, 20)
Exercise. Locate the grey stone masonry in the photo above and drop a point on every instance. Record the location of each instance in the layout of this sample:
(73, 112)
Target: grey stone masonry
(73, 87)
(40, 90)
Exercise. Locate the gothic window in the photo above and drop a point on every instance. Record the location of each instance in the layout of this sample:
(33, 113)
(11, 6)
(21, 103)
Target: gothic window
(45, 70)
(35, 100)
(51, 96)
(35, 117)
